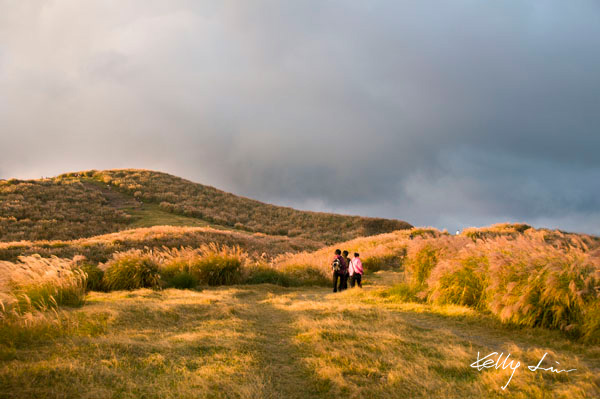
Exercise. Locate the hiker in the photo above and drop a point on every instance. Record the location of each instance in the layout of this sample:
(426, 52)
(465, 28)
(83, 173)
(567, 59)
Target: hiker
(345, 276)
(339, 267)
(355, 269)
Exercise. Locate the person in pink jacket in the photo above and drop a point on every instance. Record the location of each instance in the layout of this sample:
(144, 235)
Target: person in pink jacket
(355, 269)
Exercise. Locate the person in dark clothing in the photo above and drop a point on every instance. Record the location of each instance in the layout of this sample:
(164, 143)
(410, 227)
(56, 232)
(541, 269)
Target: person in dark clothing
(345, 277)
(339, 268)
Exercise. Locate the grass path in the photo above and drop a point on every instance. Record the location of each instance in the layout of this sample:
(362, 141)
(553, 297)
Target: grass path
(272, 342)
(281, 366)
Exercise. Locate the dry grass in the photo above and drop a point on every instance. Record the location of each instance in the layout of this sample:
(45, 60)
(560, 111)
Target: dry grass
(270, 342)
(31, 292)
(84, 204)
(532, 277)
(183, 197)
(412, 331)
(35, 283)
(100, 248)
(55, 209)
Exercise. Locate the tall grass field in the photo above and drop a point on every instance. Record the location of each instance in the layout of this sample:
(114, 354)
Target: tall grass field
(213, 320)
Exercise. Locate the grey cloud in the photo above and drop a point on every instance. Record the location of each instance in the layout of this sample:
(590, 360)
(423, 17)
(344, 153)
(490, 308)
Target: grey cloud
(443, 114)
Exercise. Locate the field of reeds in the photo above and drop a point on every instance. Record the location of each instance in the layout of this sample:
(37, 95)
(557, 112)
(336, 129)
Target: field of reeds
(265, 341)
(520, 275)
(34, 291)
(215, 320)
(90, 203)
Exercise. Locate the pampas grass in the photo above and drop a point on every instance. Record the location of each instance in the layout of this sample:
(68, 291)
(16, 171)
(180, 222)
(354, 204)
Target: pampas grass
(523, 276)
(540, 285)
(36, 283)
(218, 265)
(131, 270)
(212, 265)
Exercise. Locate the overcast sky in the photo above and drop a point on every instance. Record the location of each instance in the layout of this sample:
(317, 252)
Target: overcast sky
(450, 114)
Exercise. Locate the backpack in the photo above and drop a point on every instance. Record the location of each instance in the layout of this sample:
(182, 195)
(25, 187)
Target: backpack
(336, 265)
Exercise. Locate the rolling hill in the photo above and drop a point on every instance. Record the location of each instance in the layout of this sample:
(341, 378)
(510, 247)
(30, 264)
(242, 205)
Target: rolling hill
(84, 204)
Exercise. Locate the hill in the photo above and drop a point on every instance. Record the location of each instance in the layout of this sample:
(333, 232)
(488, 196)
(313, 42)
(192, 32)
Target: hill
(89, 203)
(100, 248)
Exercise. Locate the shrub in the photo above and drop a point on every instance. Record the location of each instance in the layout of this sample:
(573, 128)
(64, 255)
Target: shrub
(306, 275)
(402, 292)
(497, 230)
(590, 330)
(425, 232)
(131, 270)
(218, 270)
(542, 286)
(175, 267)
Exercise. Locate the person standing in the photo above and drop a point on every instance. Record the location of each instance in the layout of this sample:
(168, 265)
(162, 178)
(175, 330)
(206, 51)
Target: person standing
(339, 268)
(345, 276)
(355, 269)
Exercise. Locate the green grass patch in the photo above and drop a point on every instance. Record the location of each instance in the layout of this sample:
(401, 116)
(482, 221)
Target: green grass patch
(150, 214)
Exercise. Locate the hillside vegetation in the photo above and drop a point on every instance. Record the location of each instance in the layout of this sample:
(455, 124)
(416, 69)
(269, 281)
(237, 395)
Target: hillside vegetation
(520, 275)
(56, 209)
(100, 248)
(85, 204)
(124, 327)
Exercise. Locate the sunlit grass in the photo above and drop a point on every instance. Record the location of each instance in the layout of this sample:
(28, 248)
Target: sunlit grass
(412, 331)
(267, 341)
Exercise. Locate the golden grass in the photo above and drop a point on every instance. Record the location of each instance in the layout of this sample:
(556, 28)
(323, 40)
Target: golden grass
(36, 283)
(264, 341)
(100, 248)
(533, 277)
(31, 292)
(269, 342)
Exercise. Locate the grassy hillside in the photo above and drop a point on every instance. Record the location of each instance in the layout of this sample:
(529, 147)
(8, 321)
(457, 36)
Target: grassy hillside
(57, 209)
(100, 248)
(85, 204)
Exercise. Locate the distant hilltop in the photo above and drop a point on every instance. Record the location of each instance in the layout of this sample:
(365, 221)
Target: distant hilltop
(83, 204)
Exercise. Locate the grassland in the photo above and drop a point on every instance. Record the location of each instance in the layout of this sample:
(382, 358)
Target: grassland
(84, 204)
(522, 276)
(431, 302)
(272, 342)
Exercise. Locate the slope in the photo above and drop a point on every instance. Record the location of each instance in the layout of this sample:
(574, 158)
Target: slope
(84, 204)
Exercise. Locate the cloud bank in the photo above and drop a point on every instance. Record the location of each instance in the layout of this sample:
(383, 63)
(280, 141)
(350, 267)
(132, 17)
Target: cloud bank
(445, 114)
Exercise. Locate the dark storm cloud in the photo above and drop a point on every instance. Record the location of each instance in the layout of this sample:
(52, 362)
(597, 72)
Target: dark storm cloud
(448, 114)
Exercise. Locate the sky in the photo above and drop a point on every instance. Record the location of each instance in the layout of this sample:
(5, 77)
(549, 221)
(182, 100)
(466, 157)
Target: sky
(444, 114)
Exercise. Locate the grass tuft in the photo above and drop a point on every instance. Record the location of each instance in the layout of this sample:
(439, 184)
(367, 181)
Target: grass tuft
(131, 270)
